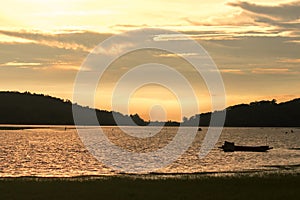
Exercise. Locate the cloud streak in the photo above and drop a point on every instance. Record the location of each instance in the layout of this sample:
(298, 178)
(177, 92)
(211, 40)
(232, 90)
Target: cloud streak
(66, 49)
(20, 64)
(84, 40)
(285, 17)
(284, 12)
(274, 71)
(251, 19)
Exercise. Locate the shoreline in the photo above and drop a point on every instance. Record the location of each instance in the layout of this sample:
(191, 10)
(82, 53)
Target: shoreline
(273, 170)
(49, 126)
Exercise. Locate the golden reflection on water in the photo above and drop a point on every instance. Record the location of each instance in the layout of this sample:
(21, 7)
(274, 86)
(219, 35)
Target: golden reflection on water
(58, 152)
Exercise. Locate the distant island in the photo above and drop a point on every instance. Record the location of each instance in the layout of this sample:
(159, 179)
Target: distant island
(38, 109)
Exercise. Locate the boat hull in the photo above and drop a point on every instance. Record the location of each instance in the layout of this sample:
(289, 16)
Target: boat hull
(252, 148)
(230, 147)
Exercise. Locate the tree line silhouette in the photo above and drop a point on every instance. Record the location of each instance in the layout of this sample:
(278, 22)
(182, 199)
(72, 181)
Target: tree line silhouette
(256, 114)
(27, 108)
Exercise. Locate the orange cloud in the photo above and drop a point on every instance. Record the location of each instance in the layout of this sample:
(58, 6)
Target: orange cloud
(271, 71)
(232, 71)
(289, 60)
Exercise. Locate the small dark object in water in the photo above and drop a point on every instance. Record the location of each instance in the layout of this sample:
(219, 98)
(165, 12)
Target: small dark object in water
(292, 131)
(295, 148)
(199, 129)
(230, 147)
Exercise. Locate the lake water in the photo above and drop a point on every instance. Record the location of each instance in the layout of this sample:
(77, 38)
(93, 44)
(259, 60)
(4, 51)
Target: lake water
(58, 152)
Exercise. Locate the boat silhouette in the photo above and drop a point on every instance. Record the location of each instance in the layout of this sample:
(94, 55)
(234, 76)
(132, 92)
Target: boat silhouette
(231, 147)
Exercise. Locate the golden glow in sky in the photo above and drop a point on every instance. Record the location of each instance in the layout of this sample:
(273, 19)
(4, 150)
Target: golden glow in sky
(113, 15)
(255, 44)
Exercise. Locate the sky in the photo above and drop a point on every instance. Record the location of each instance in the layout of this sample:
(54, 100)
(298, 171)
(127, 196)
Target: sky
(255, 45)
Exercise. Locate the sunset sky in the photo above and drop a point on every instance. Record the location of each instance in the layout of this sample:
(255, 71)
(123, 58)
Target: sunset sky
(255, 44)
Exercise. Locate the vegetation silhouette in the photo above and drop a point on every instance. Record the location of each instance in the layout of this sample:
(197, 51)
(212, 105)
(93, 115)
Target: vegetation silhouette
(27, 108)
(256, 114)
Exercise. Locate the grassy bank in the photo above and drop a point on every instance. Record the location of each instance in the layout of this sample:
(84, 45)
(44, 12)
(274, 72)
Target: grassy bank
(201, 187)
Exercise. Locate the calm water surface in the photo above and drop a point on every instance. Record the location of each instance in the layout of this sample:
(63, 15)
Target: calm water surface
(56, 151)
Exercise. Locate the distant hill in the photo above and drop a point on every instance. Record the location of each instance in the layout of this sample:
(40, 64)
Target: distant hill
(257, 114)
(27, 108)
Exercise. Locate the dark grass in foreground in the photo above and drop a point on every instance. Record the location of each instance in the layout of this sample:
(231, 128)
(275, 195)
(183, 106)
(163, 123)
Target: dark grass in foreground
(126, 187)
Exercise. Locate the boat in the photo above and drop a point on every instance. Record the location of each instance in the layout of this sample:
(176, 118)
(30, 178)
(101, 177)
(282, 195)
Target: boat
(231, 147)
